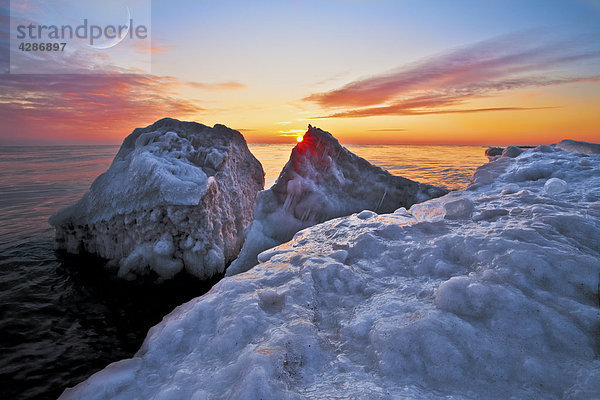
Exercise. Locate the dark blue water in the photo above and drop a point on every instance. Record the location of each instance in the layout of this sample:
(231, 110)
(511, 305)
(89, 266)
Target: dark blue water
(62, 317)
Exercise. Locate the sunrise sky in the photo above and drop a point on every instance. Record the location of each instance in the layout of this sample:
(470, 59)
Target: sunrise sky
(422, 71)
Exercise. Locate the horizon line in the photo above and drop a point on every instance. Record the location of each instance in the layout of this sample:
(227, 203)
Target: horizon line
(294, 143)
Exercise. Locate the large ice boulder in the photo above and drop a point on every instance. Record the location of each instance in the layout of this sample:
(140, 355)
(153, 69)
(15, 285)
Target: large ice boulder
(177, 196)
(579, 146)
(323, 180)
(428, 303)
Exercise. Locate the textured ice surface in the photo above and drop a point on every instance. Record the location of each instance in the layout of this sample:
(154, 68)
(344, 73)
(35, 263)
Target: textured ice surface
(579, 147)
(178, 195)
(486, 293)
(322, 180)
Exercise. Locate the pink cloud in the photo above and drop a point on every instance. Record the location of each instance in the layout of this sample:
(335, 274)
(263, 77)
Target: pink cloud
(79, 107)
(481, 70)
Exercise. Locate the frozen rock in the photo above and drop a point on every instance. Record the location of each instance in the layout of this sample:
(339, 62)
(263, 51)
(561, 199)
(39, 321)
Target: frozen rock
(511, 151)
(177, 196)
(579, 146)
(494, 151)
(545, 148)
(393, 307)
(323, 180)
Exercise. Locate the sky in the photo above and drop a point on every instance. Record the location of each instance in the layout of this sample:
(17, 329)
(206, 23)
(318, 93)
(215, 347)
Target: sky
(491, 72)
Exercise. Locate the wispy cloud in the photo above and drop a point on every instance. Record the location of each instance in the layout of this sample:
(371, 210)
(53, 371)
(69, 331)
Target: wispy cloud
(142, 47)
(25, 6)
(220, 86)
(517, 61)
(296, 133)
(73, 107)
(401, 109)
(293, 132)
(333, 78)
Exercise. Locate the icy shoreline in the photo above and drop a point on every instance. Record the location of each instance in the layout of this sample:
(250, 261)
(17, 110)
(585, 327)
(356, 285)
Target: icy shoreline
(488, 292)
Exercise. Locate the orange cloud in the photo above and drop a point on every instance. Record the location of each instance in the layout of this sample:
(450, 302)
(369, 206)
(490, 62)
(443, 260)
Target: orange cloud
(214, 87)
(401, 110)
(142, 47)
(482, 70)
(100, 107)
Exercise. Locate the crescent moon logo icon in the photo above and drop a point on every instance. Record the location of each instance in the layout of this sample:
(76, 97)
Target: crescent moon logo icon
(118, 39)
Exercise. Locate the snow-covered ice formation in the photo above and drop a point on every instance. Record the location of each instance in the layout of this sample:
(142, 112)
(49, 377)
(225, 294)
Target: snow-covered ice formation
(322, 180)
(486, 293)
(178, 195)
(579, 146)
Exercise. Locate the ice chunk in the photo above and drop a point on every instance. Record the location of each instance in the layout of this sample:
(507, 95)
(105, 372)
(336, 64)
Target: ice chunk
(394, 307)
(555, 186)
(493, 153)
(579, 146)
(455, 205)
(510, 189)
(323, 180)
(458, 208)
(178, 195)
(366, 214)
(511, 151)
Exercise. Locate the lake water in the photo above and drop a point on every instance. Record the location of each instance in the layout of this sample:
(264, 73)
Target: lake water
(62, 317)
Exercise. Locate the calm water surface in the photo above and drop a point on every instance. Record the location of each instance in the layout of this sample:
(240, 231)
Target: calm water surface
(62, 317)
(449, 166)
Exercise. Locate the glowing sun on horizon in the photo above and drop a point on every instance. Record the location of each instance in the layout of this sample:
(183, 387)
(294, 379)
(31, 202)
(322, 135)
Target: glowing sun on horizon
(294, 133)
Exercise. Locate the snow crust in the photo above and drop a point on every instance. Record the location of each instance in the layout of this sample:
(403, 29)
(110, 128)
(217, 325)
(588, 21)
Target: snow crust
(178, 195)
(486, 293)
(322, 180)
